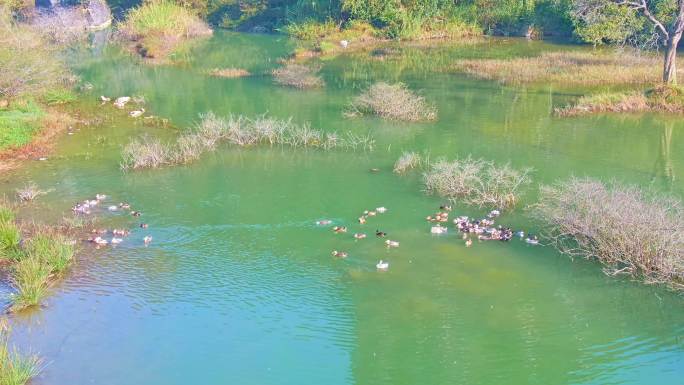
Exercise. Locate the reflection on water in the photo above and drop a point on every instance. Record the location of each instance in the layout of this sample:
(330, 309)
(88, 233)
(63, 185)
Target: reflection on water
(238, 285)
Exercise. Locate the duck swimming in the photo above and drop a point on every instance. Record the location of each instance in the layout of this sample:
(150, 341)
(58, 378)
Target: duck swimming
(147, 239)
(323, 222)
(469, 242)
(359, 236)
(112, 208)
(362, 220)
(381, 210)
(136, 113)
(143, 225)
(339, 229)
(445, 207)
(136, 213)
(339, 254)
(124, 206)
(100, 197)
(390, 243)
(116, 241)
(380, 234)
(438, 230)
(382, 265)
(532, 240)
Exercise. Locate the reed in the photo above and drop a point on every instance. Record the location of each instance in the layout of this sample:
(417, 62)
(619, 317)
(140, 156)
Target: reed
(29, 278)
(15, 368)
(628, 229)
(29, 192)
(10, 236)
(52, 249)
(393, 102)
(477, 182)
(663, 98)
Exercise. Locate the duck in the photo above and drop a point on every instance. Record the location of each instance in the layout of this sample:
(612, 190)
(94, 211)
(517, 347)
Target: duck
(136, 113)
(438, 230)
(98, 231)
(116, 241)
(136, 213)
(468, 242)
(493, 214)
(147, 239)
(100, 197)
(362, 220)
(339, 254)
(105, 99)
(143, 225)
(372, 213)
(344, 43)
(391, 243)
(381, 210)
(112, 208)
(429, 218)
(380, 234)
(445, 207)
(121, 101)
(532, 240)
(323, 222)
(339, 229)
(520, 234)
(359, 236)
(464, 236)
(382, 265)
(120, 232)
(99, 241)
(374, 169)
(124, 206)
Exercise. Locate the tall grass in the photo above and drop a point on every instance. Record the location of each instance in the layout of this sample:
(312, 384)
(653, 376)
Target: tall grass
(30, 280)
(393, 102)
(239, 131)
(628, 229)
(477, 182)
(659, 99)
(567, 67)
(15, 369)
(10, 236)
(52, 249)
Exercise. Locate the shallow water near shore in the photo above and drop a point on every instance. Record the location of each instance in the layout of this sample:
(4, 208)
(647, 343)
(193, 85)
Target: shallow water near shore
(238, 285)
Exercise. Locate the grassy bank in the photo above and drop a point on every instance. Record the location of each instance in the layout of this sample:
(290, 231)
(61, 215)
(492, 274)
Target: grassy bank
(239, 131)
(668, 99)
(159, 28)
(573, 68)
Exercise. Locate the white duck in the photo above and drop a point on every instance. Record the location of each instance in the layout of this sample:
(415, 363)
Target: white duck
(136, 113)
(382, 265)
(121, 101)
(381, 210)
(390, 243)
(438, 230)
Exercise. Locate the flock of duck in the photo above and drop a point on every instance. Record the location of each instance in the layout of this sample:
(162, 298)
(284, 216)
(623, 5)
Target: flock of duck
(100, 237)
(483, 229)
(121, 102)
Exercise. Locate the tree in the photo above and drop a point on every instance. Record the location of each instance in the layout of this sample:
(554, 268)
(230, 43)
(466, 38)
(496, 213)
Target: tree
(621, 17)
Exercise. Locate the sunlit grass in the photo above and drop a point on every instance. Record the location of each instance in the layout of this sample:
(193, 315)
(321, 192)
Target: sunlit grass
(30, 280)
(392, 102)
(297, 76)
(15, 368)
(662, 98)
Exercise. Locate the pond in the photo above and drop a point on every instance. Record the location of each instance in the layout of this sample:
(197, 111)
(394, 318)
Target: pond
(239, 286)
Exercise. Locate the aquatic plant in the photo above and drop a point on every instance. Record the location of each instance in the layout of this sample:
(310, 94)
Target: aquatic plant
(15, 368)
(29, 192)
(6, 214)
(29, 278)
(52, 249)
(567, 67)
(628, 229)
(297, 76)
(10, 236)
(393, 102)
(229, 72)
(239, 131)
(407, 161)
(477, 182)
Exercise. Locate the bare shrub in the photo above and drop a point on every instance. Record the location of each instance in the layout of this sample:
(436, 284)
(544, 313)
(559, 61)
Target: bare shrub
(393, 102)
(629, 230)
(298, 76)
(407, 161)
(29, 192)
(229, 72)
(477, 182)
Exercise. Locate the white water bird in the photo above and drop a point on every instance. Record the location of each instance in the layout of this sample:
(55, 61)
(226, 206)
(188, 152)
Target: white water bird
(147, 239)
(100, 197)
(494, 214)
(116, 241)
(112, 208)
(344, 43)
(323, 222)
(381, 210)
(136, 113)
(532, 240)
(121, 101)
(390, 243)
(382, 265)
(438, 230)
(104, 99)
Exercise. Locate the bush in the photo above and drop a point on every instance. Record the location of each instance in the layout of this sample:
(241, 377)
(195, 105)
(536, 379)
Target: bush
(297, 76)
(407, 161)
(477, 182)
(627, 229)
(393, 102)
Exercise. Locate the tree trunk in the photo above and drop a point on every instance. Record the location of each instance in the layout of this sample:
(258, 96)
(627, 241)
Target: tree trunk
(670, 69)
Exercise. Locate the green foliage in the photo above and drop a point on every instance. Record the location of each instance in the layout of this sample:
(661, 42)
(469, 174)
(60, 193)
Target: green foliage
(18, 124)
(51, 249)
(15, 369)
(30, 279)
(10, 236)
(609, 24)
(59, 96)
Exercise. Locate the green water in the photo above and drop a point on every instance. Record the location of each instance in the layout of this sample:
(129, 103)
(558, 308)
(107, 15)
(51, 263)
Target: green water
(239, 287)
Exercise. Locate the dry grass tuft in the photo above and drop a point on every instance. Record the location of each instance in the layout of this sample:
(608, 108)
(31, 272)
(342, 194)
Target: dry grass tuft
(569, 67)
(229, 73)
(629, 230)
(29, 192)
(477, 182)
(407, 161)
(298, 76)
(392, 102)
